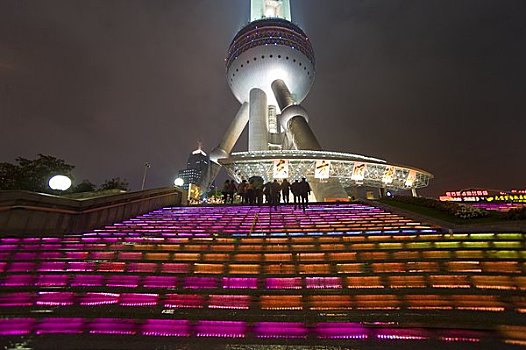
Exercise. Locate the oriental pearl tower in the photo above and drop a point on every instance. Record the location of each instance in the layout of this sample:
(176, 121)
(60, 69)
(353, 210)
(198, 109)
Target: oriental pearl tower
(270, 68)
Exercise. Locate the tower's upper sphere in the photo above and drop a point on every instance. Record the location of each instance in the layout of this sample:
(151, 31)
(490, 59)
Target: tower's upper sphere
(266, 50)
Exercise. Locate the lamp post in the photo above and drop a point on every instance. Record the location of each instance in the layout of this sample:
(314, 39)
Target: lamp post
(179, 182)
(147, 165)
(59, 183)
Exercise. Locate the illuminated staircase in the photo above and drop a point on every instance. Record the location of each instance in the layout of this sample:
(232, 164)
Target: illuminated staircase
(334, 273)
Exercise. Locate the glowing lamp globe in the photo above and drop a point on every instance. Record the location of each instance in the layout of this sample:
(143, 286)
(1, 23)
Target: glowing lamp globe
(178, 182)
(59, 183)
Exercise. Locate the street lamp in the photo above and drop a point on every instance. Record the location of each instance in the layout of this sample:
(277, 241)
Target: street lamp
(59, 183)
(179, 182)
(147, 165)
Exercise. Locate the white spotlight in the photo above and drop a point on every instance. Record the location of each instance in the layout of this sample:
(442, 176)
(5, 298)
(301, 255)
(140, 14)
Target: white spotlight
(59, 183)
(179, 182)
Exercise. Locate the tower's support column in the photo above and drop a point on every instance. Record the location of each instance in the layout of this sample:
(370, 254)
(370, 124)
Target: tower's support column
(294, 119)
(303, 136)
(413, 192)
(227, 143)
(231, 135)
(282, 93)
(257, 121)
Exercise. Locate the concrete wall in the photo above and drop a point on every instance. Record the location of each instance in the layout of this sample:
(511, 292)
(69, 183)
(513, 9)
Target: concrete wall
(24, 212)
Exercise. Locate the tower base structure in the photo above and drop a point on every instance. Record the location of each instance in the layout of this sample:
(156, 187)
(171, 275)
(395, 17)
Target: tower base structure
(327, 172)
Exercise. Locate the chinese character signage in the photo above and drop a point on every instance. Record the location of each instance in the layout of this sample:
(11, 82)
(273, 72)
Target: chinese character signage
(281, 168)
(358, 172)
(322, 169)
(411, 178)
(388, 175)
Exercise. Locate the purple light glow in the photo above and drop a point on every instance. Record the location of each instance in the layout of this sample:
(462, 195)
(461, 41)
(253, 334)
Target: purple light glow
(20, 266)
(24, 256)
(341, 330)
(16, 299)
(50, 255)
(111, 326)
(55, 298)
(52, 280)
(87, 281)
(222, 329)
(17, 281)
(283, 283)
(239, 282)
(93, 299)
(82, 266)
(138, 299)
(52, 325)
(16, 326)
(168, 282)
(52, 266)
(280, 330)
(166, 328)
(200, 282)
(128, 281)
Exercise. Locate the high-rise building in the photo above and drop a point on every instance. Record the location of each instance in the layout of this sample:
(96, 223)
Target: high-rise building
(196, 168)
(270, 70)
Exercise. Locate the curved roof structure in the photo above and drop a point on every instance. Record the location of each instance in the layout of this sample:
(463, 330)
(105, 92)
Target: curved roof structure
(349, 169)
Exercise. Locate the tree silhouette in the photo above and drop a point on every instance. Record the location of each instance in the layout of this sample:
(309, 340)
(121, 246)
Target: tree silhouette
(32, 175)
(115, 183)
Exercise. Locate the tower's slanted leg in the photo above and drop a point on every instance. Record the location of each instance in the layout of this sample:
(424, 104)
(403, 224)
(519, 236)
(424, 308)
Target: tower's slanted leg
(294, 120)
(227, 143)
(258, 121)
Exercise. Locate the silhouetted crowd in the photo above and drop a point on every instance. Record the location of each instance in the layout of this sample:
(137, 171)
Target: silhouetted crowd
(255, 191)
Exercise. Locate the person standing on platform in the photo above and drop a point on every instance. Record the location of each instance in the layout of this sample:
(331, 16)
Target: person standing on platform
(232, 188)
(224, 191)
(257, 182)
(285, 191)
(251, 193)
(275, 189)
(295, 189)
(242, 191)
(266, 191)
(304, 193)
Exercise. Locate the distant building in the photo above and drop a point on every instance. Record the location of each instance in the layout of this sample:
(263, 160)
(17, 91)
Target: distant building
(196, 168)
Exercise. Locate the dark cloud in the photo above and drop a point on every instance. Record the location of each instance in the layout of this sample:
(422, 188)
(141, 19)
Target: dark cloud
(110, 84)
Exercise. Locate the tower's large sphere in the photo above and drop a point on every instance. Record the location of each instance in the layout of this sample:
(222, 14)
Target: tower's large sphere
(266, 50)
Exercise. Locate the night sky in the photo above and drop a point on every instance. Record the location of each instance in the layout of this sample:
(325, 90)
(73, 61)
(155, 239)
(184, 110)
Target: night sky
(110, 84)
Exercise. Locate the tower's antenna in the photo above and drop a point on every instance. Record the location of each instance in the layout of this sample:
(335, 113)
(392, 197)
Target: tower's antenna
(260, 9)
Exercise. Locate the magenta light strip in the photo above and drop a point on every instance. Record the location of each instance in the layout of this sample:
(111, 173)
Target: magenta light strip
(280, 330)
(112, 326)
(60, 326)
(166, 328)
(16, 326)
(222, 329)
(341, 330)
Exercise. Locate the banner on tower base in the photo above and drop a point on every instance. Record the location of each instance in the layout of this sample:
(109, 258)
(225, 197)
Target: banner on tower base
(411, 178)
(322, 169)
(358, 172)
(281, 168)
(388, 176)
